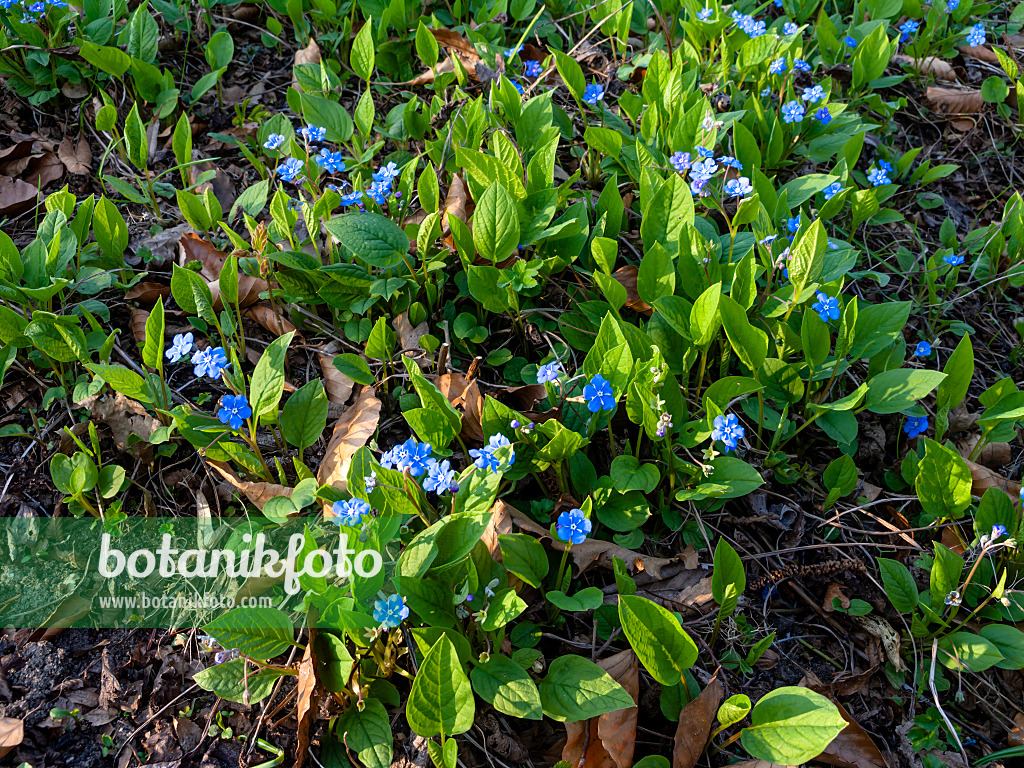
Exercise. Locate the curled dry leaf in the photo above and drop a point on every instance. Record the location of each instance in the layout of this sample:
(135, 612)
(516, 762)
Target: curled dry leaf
(193, 248)
(464, 395)
(308, 55)
(12, 733)
(609, 739)
(853, 747)
(139, 318)
(337, 385)
(500, 523)
(991, 455)
(1015, 738)
(307, 701)
(43, 169)
(16, 196)
(695, 723)
(627, 278)
(979, 52)
(954, 101)
(408, 336)
(930, 65)
(834, 591)
(455, 203)
(351, 432)
(596, 551)
(148, 293)
(76, 155)
(257, 493)
(983, 478)
(428, 76)
(122, 415)
(271, 319)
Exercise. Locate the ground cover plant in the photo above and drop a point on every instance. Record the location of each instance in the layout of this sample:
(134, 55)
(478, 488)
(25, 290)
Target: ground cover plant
(663, 359)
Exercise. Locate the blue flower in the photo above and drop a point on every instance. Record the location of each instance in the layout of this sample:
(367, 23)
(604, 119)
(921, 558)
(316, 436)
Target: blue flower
(826, 306)
(832, 190)
(732, 162)
(954, 259)
(180, 346)
(793, 224)
(440, 477)
(738, 187)
(766, 93)
(680, 161)
(823, 116)
(705, 14)
(209, 362)
(273, 141)
(777, 67)
(878, 177)
(39, 7)
(756, 29)
(886, 166)
(923, 349)
(976, 35)
(290, 169)
(518, 87)
(697, 186)
(549, 372)
(814, 94)
(998, 531)
(907, 28)
(916, 425)
(350, 512)
(391, 612)
(703, 169)
(234, 410)
(850, 41)
(370, 482)
(789, 28)
(379, 191)
(778, 3)
(387, 173)
(486, 458)
(598, 394)
(952, 4)
(352, 198)
(573, 526)
(704, 151)
(332, 162)
(532, 68)
(593, 93)
(411, 456)
(802, 65)
(312, 133)
(510, 52)
(792, 112)
(728, 430)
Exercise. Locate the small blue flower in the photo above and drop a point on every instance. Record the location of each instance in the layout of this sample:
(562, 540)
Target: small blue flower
(916, 425)
(352, 198)
(350, 512)
(680, 161)
(813, 95)
(976, 35)
(878, 177)
(705, 14)
(732, 162)
(39, 7)
(823, 116)
(952, 4)
(332, 162)
(778, 3)
(573, 526)
(886, 166)
(290, 169)
(703, 169)
(518, 87)
(998, 531)
(510, 52)
(234, 410)
(826, 306)
(907, 28)
(379, 191)
(766, 93)
(738, 187)
(598, 394)
(312, 133)
(697, 186)
(954, 259)
(850, 41)
(792, 112)
(777, 67)
(411, 456)
(802, 65)
(1022, 493)
(832, 190)
(391, 612)
(387, 173)
(549, 372)
(789, 28)
(370, 482)
(209, 362)
(728, 430)
(593, 93)
(757, 28)
(273, 141)
(486, 457)
(440, 477)
(923, 349)
(180, 346)
(532, 68)
(793, 224)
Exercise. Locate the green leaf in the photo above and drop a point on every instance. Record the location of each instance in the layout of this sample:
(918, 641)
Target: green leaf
(749, 342)
(733, 709)
(966, 650)
(355, 367)
(896, 390)
(122, 380)
(657, 275)
(658, 640)
(571, 73)
(135, 139)
(667, 215)
(524, 556)
(587, 599)
(899, 585)
(507, 687)
(945, 574)
(806, 258)
(577, 689)
(791, 726)
(262, 633)
(362, 56)
(705, 317)
(227, 681)
(367, 734)
(373, 239)
(504, 606)
(426, 46)
(252, 201)
(728, 580)
(153, 349)
(267, 383)
(441, 700)
(1010, 643)
(943, 481)
(304, 416)
(628, 474)
(495, 224)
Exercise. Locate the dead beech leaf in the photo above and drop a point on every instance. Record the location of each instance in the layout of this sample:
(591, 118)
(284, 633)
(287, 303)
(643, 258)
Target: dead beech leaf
(954, 101)
(983, 478)
(465, 396)
(193, 248)
(122, 416)
(853, 747)
(1015, 738)
(337, 385)
(500, 523)
(351, 432)
(979, 52)
(12, 733)
(257, 493)
(76, 156)
(307, 701)
(449, 39)
(148, 293)
(16, 196)
(268, 317)
(428, 77)
(308, 55)
(408, 336)
(695, 725)
(596, 551)
(991, 455)
(612, 736)
(456, 203)
(43, 169)
(139, 318)
(930, 65)
(627, 276)
(835, 591)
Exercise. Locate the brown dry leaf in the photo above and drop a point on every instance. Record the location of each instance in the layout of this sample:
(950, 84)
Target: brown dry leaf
(193, 248)
(409, 337)
(428, 76)
(951, 540)
(930, 65)
(983, 478)
(337, 385)
(139, 318)
(446, 38)
(257, 493)
(308, 55)
(980, 52)
(43, 169)
(992, 454)
(351, 432)
(758, 764)
(148, 293)
(188, 733)
(954, 101)
(455, 203)
(869, 491)
(1015, 738)
(12, 733)
(307, 701)
(76, 156)
(16, 196)
(834, 591)
(465, 396)
(627, 278)
(595, 550)
(612, 736)
(500, 522)
(695, 725)
(268, 317)
(122, 415)
(852, 748)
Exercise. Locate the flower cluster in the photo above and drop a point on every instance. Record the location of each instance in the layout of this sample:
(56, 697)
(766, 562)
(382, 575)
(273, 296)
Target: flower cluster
(975, 35)
(487, 458)
(753, 27)
(410, 456)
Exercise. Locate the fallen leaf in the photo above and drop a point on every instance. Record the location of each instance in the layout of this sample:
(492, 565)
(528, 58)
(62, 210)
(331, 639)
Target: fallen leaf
(991, 455)
(76, 156)
(139, 318)
(408, 336)
(193, 248)
(983, 478)
(12, 733)
(465, 396)
(951, 540)
(428, 77)
(627, 276)
(308, 55)
(612, 736)
(446, 38)
(188, 733)
(351, 432)
(1015, 738)
(500, 523)
(596, 551)
(930, 65)
(695, 725)
(455, 203)
(122, 415)
(148, 293)
(16, 196)
(954, 101)
(980, 52)
(834, 592)
(271, 319)
(337, 385)
(307, 701)
(257, 493)
(42, 170)
(852, 748)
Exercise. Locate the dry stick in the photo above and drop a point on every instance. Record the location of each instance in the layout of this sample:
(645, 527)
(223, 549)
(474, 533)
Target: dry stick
(938, 704)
